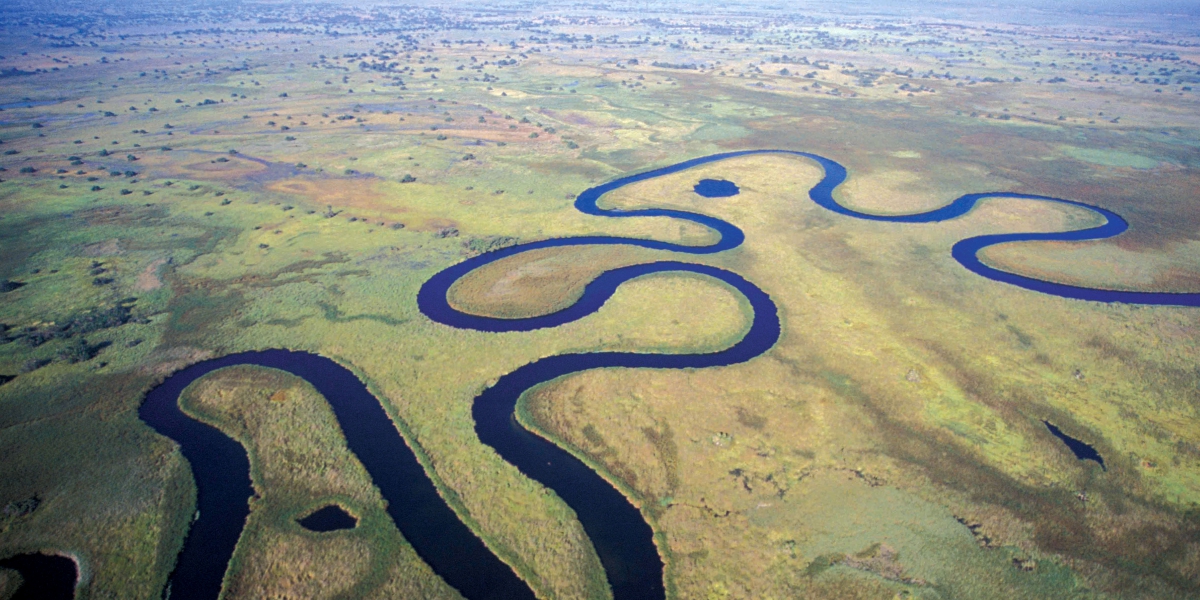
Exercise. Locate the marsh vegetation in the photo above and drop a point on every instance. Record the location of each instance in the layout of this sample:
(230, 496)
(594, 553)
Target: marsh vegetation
(192, 181)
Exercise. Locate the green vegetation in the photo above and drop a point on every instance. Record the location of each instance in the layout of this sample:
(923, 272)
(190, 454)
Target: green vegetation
(890, 445)
(1111, 158)
(299, 462)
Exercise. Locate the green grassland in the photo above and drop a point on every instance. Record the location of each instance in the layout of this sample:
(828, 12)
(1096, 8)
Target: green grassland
(299, 462)
(890, 445)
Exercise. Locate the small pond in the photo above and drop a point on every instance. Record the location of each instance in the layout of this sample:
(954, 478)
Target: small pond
(328, 518)
(1082, 450)
(716, 188)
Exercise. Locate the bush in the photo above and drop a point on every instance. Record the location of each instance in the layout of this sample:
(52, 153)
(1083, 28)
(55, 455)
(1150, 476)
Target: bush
(32, 364)
(81, 351)
(20, 508)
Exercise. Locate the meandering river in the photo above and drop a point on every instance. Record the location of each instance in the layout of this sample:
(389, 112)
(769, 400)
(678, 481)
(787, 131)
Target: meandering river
(623, 539)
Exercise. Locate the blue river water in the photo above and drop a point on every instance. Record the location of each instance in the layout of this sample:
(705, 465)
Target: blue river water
(610, 520)
(221, 470)
(623, 539)
(28, 104)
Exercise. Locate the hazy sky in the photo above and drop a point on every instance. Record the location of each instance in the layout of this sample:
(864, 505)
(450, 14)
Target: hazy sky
(1125, 6)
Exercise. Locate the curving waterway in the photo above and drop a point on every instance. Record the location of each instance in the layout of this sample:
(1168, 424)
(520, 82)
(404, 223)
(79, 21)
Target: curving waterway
(623, 539)
(221, 470)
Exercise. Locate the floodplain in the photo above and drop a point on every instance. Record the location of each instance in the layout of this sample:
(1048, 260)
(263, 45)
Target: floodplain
(186, 183)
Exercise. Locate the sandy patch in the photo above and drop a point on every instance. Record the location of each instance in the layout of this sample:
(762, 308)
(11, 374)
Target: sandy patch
(436, 224)
(106, 248)
(215, 169)
(508, 93)
(148, 279)
(341, 194)
(891, 191)
(507, 136)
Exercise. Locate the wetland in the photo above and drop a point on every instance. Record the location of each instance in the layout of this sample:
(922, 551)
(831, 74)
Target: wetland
(675, 300)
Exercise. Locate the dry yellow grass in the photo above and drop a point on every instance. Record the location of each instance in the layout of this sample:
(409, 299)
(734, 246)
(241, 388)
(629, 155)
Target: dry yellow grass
(539, 281)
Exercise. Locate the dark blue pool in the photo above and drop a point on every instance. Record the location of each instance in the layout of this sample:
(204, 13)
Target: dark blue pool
(716, 188)
(45, 576)
(1081, 449)
(328, 518)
